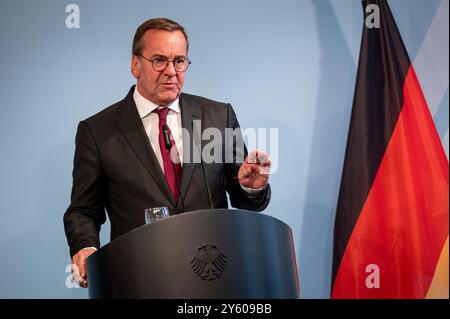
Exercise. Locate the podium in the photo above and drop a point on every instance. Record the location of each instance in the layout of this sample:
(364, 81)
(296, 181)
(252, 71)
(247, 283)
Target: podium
(219, 253)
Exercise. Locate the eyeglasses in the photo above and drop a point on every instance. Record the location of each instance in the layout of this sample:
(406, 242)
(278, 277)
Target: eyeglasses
(160, 63)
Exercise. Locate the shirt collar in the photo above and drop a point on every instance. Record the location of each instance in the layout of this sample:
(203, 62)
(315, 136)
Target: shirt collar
(145, 107)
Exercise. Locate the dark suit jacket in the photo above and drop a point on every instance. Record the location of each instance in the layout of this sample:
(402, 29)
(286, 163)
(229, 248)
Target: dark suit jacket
(116, 169)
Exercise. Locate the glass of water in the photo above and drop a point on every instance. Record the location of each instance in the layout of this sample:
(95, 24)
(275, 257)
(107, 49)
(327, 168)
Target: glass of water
(155, 214)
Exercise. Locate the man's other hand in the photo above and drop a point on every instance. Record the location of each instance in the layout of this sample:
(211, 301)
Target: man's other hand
(79, 269)
(254, 172)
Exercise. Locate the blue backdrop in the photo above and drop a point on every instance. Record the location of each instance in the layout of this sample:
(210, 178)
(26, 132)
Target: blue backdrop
(286, 64)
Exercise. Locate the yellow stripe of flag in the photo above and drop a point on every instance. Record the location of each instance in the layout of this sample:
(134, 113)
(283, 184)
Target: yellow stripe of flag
(439, 286)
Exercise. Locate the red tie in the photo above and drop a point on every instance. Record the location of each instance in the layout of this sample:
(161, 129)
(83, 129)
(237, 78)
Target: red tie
(166, 156)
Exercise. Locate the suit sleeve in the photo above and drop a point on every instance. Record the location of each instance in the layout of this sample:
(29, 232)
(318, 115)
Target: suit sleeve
(239, 198)
(86, 213)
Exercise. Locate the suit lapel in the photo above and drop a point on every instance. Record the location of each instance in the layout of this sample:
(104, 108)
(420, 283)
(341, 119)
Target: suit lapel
(130, 126)
(189, 112)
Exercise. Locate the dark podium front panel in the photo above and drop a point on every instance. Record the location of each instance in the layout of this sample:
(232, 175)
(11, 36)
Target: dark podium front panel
(218, 253)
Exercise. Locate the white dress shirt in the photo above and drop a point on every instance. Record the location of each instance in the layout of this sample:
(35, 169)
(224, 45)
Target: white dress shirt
(150, 120)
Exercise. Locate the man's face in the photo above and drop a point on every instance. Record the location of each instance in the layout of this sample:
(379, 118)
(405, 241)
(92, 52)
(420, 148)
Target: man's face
(160, 87)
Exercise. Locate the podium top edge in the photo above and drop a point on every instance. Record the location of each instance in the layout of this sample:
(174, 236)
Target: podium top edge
(195, 212)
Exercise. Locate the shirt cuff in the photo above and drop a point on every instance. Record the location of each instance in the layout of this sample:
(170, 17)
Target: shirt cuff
(253, 191)
(88, 248)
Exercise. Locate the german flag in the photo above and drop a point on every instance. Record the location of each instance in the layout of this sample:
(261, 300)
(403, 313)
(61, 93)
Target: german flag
(391, 229)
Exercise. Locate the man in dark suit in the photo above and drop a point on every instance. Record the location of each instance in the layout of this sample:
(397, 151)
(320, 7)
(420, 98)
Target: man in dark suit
(122, 163)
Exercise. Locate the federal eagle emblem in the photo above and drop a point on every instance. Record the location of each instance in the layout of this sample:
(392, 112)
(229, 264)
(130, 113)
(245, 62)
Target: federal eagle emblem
(209, 263)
